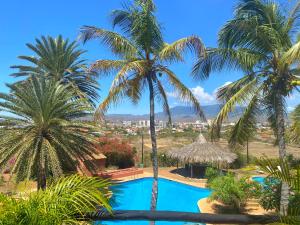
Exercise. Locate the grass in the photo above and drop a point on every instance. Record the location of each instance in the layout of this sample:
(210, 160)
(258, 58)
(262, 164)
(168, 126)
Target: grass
(166, 142)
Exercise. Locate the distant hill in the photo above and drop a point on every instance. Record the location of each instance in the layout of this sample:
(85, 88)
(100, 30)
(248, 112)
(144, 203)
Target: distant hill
(179, 114)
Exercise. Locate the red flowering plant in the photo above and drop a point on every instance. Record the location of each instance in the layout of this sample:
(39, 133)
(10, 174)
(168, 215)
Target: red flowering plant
(9, 165)
(118, 152)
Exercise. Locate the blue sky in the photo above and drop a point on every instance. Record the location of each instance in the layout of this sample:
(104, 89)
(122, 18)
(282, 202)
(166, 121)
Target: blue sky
(22, 21)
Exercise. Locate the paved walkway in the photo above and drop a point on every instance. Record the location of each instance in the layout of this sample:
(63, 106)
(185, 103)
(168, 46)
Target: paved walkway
(168, 174)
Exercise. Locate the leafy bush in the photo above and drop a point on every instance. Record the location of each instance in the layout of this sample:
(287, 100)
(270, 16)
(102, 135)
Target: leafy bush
(270, 194)
(211, 173)
(165, 161)
(234, 192)
(241, 161)
(118, 152)
(293, 162)
(62, 203)
(294, 202)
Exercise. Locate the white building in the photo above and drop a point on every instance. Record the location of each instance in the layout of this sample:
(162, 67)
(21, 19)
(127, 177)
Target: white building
(143, 123)
(127, 123)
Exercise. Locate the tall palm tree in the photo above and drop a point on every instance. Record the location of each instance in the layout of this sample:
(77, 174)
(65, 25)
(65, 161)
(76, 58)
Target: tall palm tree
(294, 130)
(143, 58)
(259, 40)
(61, 60)
(40, 128)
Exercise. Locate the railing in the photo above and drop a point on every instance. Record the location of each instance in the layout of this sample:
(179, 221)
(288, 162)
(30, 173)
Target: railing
(182, 216)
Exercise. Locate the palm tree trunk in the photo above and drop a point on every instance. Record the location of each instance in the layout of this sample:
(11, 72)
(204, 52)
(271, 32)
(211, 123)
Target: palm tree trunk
(154, 147)
(247, 151)
(41, 179)
(284, 199)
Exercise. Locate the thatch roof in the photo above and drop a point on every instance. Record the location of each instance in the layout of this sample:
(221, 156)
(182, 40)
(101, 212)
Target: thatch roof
(202, 151)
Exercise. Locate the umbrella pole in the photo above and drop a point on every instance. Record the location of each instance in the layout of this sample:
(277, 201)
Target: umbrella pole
(191, 170)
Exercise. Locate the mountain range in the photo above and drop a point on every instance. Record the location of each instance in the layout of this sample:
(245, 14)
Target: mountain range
(179, 114)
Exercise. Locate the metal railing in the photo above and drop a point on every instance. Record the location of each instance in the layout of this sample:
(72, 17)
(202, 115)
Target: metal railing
(143, 215)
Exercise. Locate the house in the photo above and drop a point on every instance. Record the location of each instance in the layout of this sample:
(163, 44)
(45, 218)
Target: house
(92, 166)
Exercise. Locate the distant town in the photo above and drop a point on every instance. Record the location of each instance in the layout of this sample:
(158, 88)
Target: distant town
(133, 127)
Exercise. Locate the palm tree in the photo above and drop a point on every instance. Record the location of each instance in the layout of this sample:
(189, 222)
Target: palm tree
(40, 128)
(143, 56)
(64, 202)
(259, 40)
(294, 130)
(61, 60)
(280, 169)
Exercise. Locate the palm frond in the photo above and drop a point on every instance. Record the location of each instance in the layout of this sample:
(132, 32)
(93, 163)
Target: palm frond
(174, 51)
(217, 59)
(115, 95)
(123, 19)
(66, 201)
(140, 67)
(294, 130)
(107, 66)
(293, 19)
(245, 127)
(275, 105)
(116, 42)
(59, 59)
(184, 93)
(82, 194)
(293, 54)
(145, 29)
(163, 98)
(240, 97)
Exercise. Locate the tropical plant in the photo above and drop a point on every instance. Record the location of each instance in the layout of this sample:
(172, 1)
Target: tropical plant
(211, 173)
(40, 128)
(166, 161)
(233, 192)
(144, 57)
(280, 169)
(118, 152)
(294, 130)
(63, 202)
(59, 59)
(270, 194)
(259, 40)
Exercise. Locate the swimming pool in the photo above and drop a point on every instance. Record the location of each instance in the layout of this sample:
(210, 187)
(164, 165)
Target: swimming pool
(172, 196)
(260, 180)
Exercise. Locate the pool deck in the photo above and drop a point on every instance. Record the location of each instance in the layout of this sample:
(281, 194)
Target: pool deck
(167, 174)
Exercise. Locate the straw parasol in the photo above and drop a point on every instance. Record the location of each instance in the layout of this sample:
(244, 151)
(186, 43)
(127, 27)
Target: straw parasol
(202, 151)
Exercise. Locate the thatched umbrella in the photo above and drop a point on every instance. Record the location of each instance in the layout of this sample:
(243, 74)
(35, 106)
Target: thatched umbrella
(202, 151)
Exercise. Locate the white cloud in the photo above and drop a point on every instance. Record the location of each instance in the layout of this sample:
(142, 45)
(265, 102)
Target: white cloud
(202, 96)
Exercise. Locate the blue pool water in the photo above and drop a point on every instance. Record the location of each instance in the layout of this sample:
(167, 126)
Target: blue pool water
(172, 196)
(260, 180)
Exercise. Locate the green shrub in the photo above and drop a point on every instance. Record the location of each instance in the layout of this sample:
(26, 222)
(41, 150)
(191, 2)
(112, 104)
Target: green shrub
(241, 161)
(166, 161)
(234, 192)
(293, 162)
(270, 194)
(294, 203)
(211, 173)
